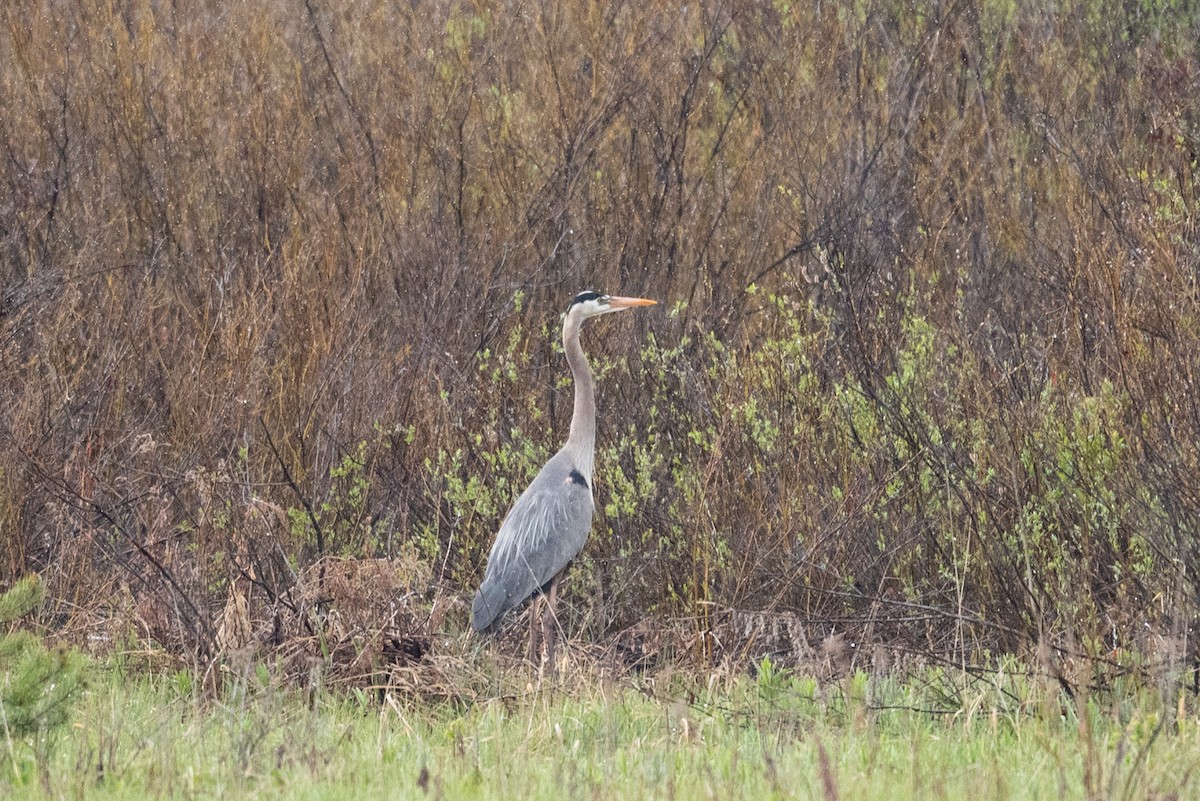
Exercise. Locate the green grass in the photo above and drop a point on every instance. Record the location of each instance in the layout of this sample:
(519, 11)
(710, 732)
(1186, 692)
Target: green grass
(734, 737)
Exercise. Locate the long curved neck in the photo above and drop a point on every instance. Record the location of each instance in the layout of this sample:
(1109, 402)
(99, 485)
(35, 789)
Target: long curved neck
(582, 440)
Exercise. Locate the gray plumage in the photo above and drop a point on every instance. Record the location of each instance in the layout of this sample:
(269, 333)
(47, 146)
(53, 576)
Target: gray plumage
(546, 528)
(548, 525)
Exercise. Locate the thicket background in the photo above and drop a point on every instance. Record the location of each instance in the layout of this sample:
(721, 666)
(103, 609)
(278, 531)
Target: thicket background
(281, 282)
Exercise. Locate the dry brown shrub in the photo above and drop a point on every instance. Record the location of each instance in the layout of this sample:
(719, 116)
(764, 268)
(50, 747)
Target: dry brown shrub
(279, 286)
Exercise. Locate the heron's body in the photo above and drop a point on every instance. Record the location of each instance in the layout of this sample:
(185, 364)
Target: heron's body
(546, 529)
(549, 523)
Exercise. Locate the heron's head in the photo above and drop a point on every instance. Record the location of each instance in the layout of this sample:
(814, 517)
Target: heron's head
(593, 304)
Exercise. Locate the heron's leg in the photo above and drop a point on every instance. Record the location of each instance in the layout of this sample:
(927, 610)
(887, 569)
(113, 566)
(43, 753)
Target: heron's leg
(535, 631)
(550, 620)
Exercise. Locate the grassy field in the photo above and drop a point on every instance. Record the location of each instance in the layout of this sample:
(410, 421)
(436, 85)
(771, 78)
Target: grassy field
(775, 735)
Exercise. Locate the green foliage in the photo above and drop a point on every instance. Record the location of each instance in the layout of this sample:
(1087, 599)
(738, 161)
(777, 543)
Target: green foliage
(771, 680)
(21, 598)
(38, 685)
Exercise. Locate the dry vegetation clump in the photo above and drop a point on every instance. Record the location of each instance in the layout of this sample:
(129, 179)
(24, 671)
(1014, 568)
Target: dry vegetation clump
(280, 283)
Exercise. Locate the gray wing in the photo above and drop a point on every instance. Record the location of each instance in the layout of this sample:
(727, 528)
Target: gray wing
(545, 529)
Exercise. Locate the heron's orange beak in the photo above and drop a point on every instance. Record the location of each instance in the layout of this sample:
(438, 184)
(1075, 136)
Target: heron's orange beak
(629, 303)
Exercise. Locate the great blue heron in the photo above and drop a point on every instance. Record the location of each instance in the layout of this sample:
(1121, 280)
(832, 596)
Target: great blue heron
(547, 526)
